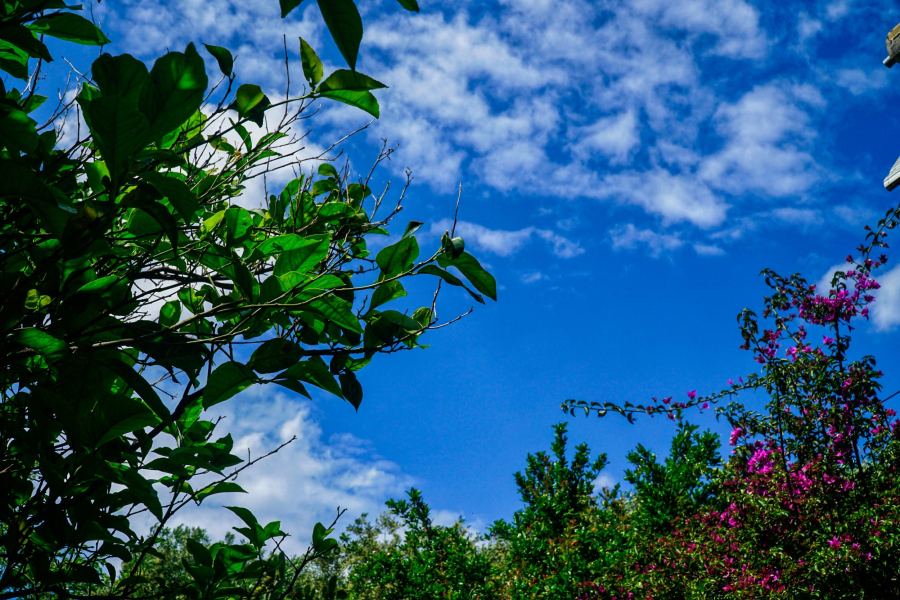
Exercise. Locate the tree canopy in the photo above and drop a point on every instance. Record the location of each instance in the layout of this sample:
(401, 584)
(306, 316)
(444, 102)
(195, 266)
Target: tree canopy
(142, 287)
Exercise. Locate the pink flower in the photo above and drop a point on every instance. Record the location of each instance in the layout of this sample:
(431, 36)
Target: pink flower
(827, 340)
(692, 394)
(706, 405)
(834, 542)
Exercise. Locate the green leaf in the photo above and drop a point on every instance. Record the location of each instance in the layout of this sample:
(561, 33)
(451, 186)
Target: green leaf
(351, 388)
(176, 191)
(250, 103)
(41, 342)
(338, 311)
(225, 381)
(410, 5)
(327, 170)
(345, 26)
(312, 66)
(71, 28)
(22, 37)
(288, 5)
(124, 415)
(362, 100)
(386, 292)
(275, 355)
(449, 278)
(293, 385)
(223, 57)
(120, 130)
(211, 223)
(411, 228)
(304, 257)
(245, 515)
(315, 372)
(223, 487)
(14, 60)
(140, 385)
(21, 184)
(343, 79)
(238, 222)
(17, 130)
(397, 258)
(170, 313)
(483, 281)
(174, 90)
(321, 542)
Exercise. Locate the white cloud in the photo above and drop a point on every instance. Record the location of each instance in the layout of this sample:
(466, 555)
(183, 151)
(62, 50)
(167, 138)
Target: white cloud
(533, 277)
(303, 483)
(506, 243)
(708, 250)
(675, 198)
(630, 237)
(859, 82)
(766, 131)
(734, 23)
(615, 137)
(885, 313)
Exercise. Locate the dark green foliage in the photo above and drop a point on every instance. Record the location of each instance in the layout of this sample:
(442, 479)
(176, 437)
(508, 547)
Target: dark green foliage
(680, 486)
(558, 539)
(427, 561)
(135, 287)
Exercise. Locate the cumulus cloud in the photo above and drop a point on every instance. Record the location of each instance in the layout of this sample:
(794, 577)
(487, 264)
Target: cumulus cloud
(307, 480)
(630, 237)
(608, 100)
(505, 243)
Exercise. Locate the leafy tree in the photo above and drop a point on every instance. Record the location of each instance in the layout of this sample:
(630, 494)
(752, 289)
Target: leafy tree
(808, 504)
(139, 293)
(557, 541)
(678, 487)
(426, 562)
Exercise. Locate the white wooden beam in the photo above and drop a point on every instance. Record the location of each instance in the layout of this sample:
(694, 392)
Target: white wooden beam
(893, 178)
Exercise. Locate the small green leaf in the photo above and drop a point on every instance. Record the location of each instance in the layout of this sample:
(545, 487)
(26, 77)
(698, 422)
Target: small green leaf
(223, 487)
(13, 60)
(124, 415)
(225, 381)
(351, 388)
(411, 228)
(303, 258)
(343, 79)
(327, 170)
(245, 515)
(174, 90)
(170, 313)
(250, 103)
(345, 26)
(386, 292)
(176, 191)
(397, 258)
(22, 37)
(41, 342)
(362, 100)
(288, 5)
(275, 355)
(315, 372)
(238, 222)
(410, 5)
(483, 281)
(449, 278)
(71, 28)
(223, 57)
(312, 66)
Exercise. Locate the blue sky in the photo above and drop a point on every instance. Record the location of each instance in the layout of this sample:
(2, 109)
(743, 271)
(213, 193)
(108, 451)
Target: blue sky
(628, 168)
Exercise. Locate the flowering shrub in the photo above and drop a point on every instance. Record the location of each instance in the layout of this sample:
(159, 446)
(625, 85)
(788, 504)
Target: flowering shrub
(807, 505)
